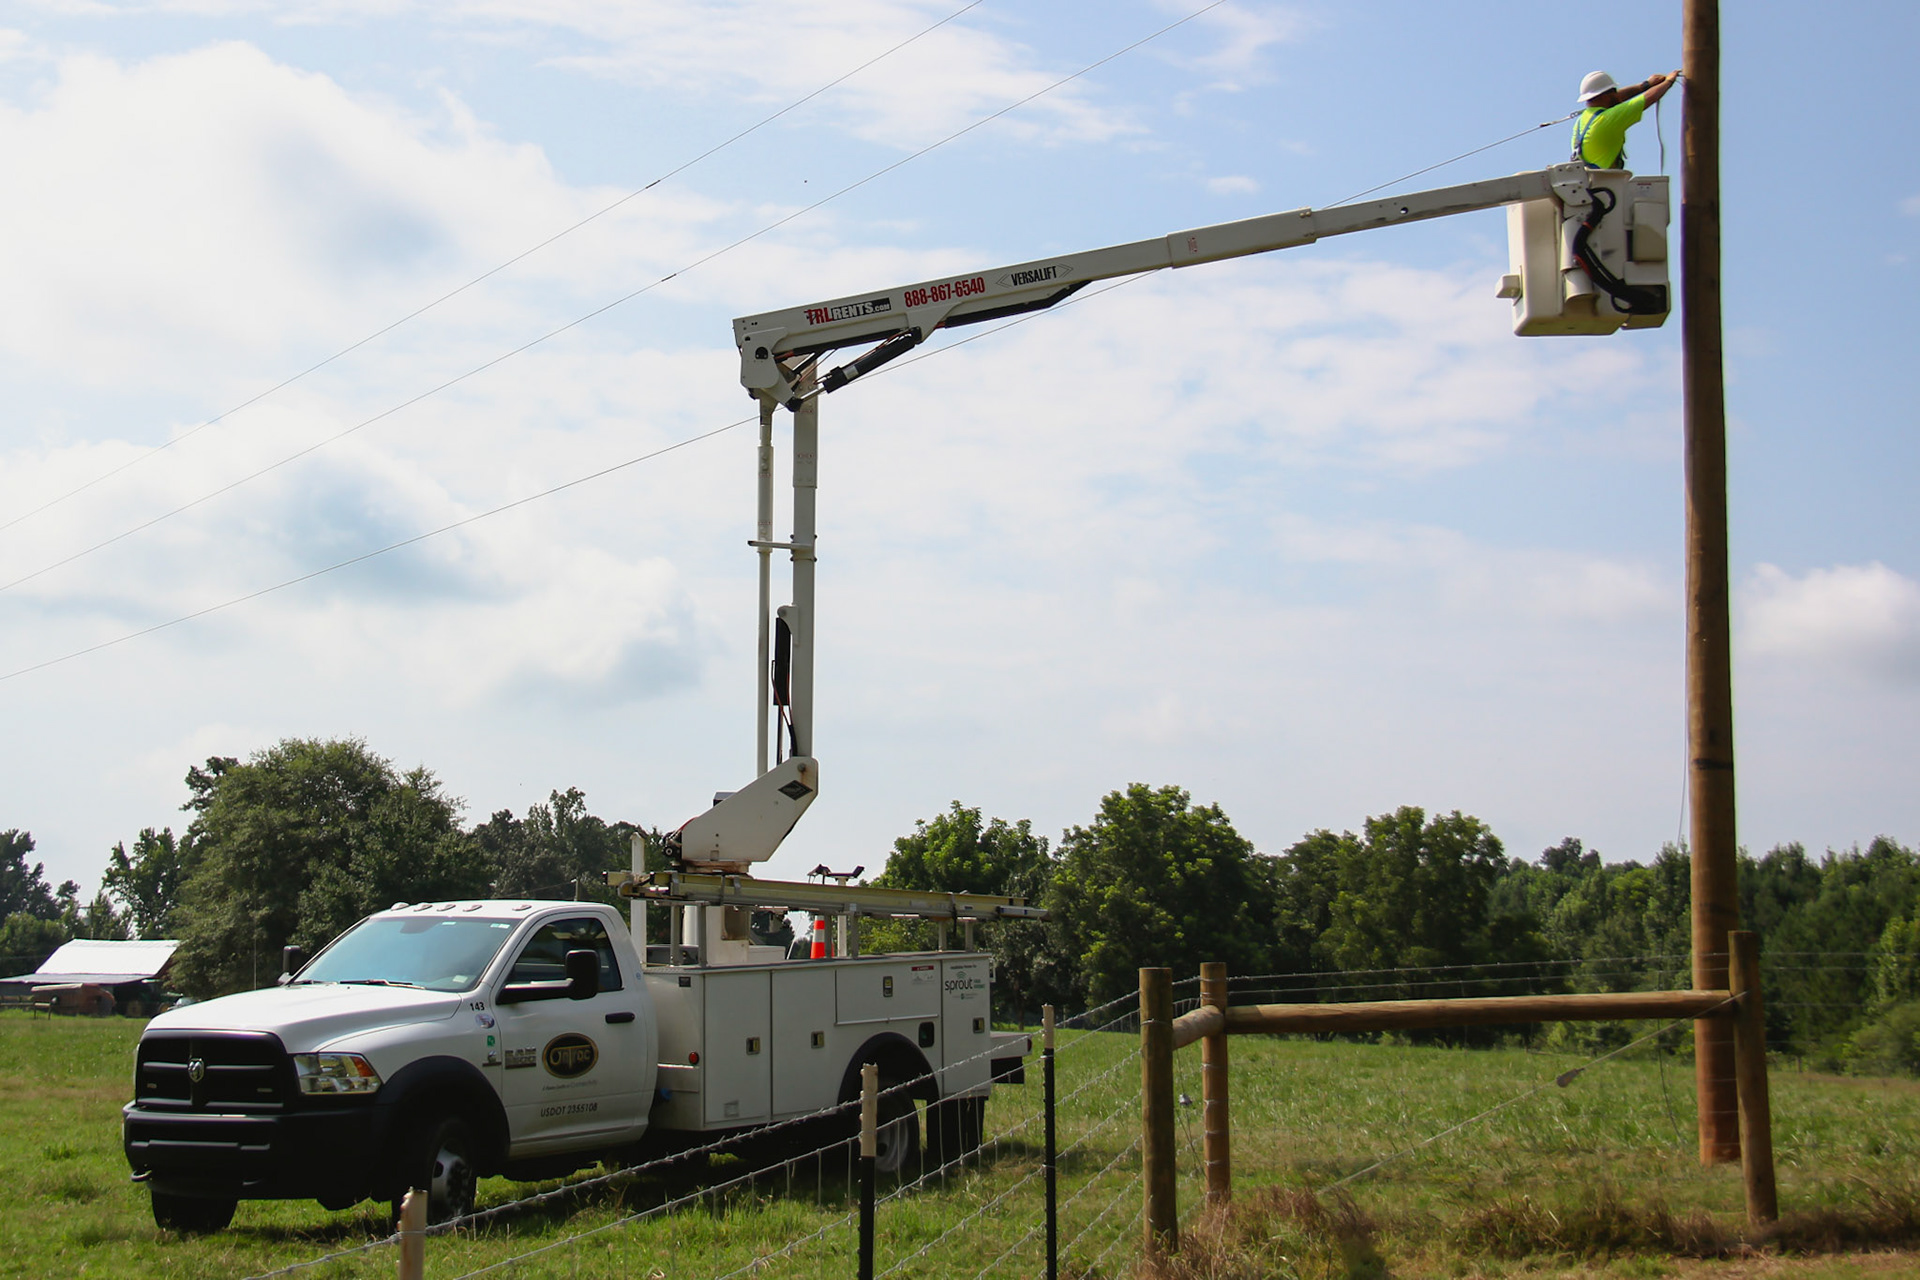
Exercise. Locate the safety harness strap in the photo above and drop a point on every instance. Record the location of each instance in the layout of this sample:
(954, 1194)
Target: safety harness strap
(1580, 142)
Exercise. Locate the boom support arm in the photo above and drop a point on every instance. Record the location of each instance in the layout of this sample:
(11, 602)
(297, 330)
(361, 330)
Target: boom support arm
(904, 316)
(1576, 233)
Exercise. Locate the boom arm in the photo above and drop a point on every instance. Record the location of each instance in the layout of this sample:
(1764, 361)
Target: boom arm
(1569, 247)
(902, 317)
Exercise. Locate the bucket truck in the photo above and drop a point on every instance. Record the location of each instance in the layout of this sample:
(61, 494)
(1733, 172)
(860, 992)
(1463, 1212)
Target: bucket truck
(435, 1043)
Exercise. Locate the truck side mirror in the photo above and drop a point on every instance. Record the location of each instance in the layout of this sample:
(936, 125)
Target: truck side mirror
(583, 974)
(292, 960)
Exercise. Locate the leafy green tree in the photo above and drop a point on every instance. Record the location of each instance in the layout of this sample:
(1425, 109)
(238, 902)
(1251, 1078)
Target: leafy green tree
(1157, 881)
(98, 920)
(955, 852)
(1305, 880)
(26, 940)
(297, 844)
(1889, 1044)
(1415, 893)
(1893, 965)
(149, 881)
(558, 850)
(23, 888)
(1818, 920)
(1629, 925)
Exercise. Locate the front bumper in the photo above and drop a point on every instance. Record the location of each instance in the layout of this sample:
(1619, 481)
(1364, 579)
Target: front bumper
(330, 1154)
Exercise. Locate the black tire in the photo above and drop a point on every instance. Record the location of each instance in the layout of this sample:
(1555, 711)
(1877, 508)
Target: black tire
(896, 1138)
(438, 1158)
(192, 1215)
(954, 1128)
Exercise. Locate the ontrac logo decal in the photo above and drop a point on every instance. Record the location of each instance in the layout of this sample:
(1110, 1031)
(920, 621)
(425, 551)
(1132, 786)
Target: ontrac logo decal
(569, 1055)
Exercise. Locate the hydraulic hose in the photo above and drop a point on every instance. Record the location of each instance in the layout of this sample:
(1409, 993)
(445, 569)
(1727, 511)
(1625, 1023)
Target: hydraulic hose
(1634, 300)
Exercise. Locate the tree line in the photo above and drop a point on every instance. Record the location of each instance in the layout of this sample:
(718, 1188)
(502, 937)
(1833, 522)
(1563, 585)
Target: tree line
(304, 838)
(294, 845)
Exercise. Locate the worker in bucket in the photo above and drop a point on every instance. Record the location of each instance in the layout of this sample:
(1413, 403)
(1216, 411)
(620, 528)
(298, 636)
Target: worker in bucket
(1600, 135)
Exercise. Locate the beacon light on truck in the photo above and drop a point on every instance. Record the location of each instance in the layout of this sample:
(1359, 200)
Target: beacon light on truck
(333, 1073)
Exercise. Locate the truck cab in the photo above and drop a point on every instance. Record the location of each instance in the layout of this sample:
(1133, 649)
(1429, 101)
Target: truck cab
(429, 1045)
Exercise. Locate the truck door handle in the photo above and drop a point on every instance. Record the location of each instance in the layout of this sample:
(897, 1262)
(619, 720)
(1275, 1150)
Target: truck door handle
(621, 1017)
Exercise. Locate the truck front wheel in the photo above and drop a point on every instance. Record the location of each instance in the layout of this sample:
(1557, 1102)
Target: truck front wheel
(438, 1159)
(191, 1215)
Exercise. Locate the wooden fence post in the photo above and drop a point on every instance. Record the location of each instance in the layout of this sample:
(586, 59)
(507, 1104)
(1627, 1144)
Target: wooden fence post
(1162, 1226)
(413, 1237)
(1216, 1145)
(1750, 1070)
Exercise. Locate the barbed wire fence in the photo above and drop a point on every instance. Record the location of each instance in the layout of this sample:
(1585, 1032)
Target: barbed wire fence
(793, 1182)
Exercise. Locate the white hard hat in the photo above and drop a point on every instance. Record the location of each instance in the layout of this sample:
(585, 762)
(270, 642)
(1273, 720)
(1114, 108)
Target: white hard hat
(1596, 83)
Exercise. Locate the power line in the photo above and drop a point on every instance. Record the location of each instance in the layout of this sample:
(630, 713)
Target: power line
(503, 507)
(1532, 128)
(284, 383)
(624, 298)
(369, 555)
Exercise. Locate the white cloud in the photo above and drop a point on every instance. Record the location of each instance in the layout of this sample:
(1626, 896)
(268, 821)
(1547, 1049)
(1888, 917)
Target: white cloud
(1862, 617)
(1245, 33)
(180, 202)
(775, 52)
(1233, 184)
(1465, 575)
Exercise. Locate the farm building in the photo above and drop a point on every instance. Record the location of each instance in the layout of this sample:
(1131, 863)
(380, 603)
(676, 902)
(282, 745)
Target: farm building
(89, 976)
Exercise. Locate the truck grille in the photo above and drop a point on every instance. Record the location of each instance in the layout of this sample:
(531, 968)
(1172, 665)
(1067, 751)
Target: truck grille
(233, 1073)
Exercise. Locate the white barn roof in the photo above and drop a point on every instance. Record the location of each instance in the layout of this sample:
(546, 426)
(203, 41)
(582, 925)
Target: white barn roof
(88, 960)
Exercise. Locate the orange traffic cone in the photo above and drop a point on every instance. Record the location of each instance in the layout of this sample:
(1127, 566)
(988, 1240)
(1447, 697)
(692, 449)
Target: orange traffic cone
(819, 951)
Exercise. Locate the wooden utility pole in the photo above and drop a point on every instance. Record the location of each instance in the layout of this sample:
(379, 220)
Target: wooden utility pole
(1161, 1219)
(1710, 792)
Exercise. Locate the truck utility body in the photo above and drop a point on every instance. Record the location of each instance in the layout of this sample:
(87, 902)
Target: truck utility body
(434, 1044)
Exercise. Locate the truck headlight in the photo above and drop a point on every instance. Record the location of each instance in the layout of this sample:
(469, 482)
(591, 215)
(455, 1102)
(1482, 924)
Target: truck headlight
(335, 1073)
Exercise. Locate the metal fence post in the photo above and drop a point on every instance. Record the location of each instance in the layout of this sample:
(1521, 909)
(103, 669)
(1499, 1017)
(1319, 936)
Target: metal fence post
(1750, 1070)
(1216, 1151)
(1162, 1227)
(869, 1123)
(1053, 1203)
(413, 1237)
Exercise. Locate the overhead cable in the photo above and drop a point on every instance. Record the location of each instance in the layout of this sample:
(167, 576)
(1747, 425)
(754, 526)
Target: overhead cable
(1533, 128)
(379, 551)
(508, 506)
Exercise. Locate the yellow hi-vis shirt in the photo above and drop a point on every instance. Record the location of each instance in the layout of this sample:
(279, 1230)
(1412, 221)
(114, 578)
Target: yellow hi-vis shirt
(1600, 137)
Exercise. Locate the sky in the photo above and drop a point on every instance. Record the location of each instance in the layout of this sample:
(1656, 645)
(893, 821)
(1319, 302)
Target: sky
(1310, 535)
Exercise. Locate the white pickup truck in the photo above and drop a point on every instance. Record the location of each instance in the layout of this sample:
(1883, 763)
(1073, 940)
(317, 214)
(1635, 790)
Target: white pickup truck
(434, 1044)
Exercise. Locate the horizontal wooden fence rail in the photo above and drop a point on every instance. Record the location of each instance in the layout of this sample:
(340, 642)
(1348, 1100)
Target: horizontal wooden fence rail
(1418, 1015)
(1216, 1019)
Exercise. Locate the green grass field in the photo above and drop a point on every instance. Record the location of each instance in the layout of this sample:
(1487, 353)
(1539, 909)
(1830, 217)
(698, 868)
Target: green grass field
(1599, 1174)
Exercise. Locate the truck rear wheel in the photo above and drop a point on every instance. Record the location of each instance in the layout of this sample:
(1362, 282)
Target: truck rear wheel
(896, 1145)
(192, 1215)
(954, 1128)
(438, 1158)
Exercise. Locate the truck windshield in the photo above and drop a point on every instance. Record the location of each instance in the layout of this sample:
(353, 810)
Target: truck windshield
(430, 952)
